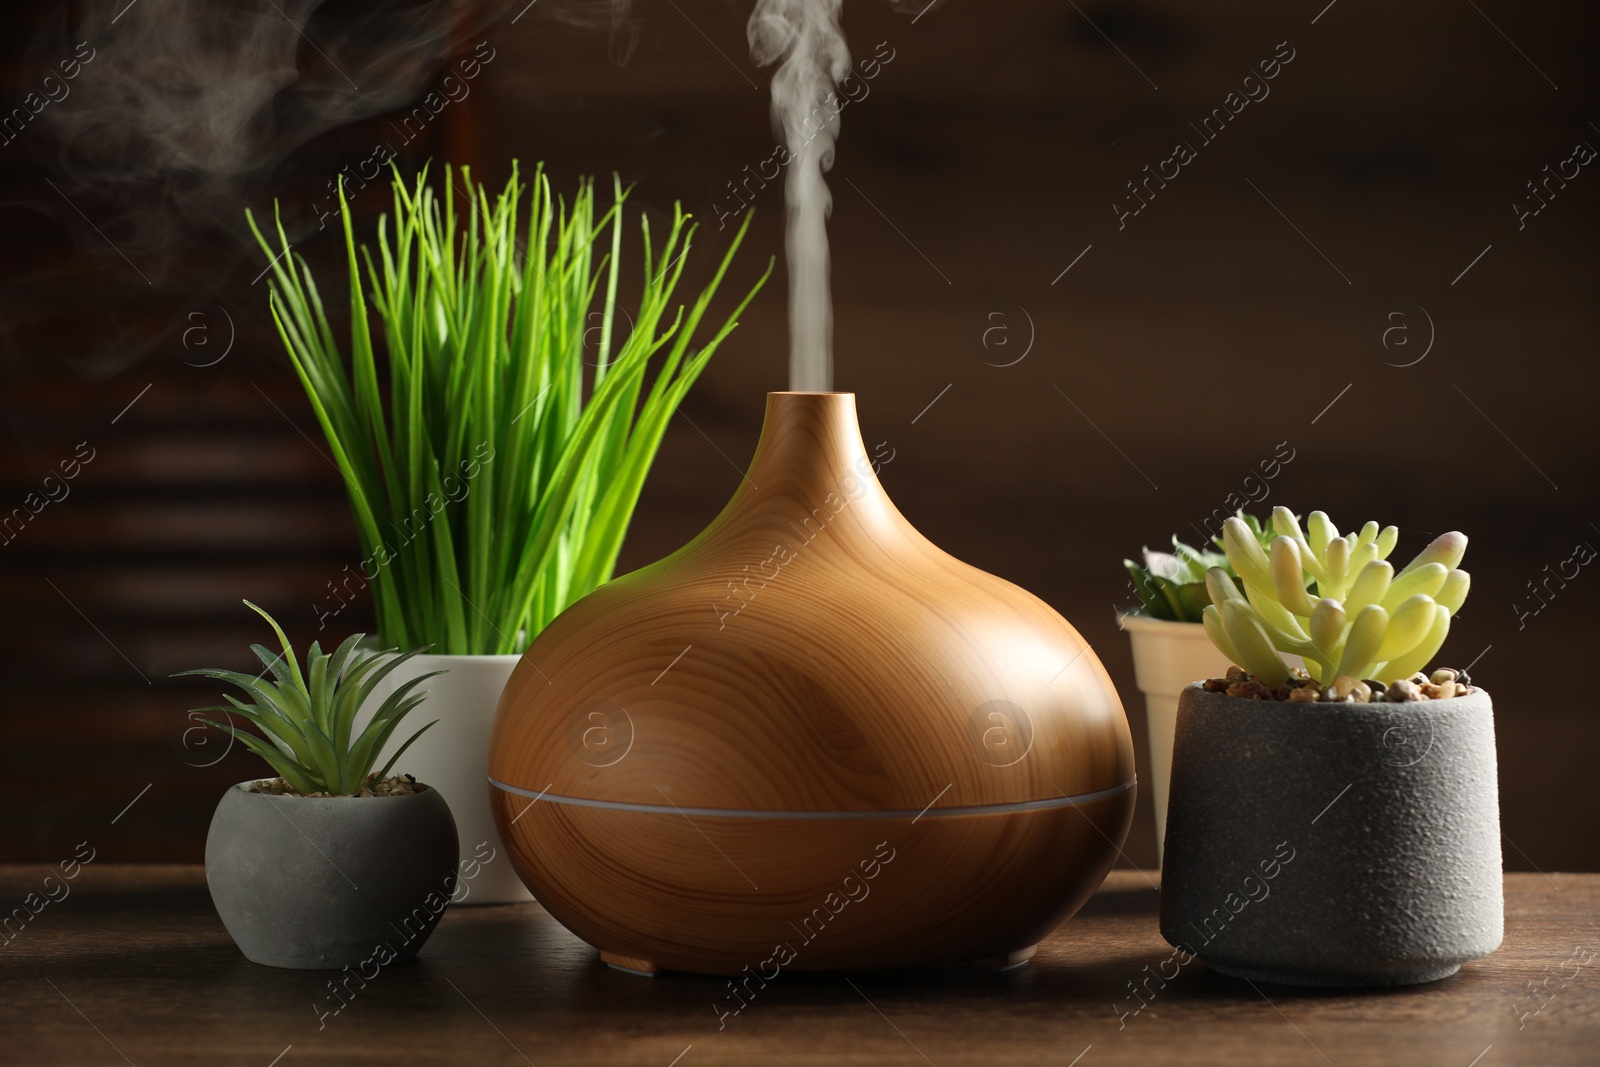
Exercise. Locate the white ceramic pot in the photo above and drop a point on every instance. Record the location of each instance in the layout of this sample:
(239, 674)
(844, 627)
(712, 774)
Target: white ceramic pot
(1167, 656)
(453, 758)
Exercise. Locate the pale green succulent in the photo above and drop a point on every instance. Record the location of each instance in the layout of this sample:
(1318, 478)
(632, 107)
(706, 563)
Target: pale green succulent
(1358, 620)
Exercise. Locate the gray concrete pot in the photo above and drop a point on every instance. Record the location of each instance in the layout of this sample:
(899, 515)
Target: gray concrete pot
(330, 882)
(1333, 844)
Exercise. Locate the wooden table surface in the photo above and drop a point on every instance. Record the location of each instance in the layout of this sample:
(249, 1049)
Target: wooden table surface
(134, 966)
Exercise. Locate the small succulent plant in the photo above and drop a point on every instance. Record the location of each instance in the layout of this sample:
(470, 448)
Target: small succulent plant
(1172, 585)
(308, 716)
(1357, 620)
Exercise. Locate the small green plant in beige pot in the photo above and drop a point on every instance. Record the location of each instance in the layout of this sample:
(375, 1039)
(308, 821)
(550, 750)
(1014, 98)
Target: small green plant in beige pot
(1336, 824)
(331, 864)
(1170, 646)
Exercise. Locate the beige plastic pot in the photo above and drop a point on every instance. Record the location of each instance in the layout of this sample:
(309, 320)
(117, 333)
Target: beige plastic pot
(1167, 656)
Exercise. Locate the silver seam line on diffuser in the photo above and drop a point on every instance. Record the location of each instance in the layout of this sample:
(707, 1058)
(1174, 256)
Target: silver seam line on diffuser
(746, 813)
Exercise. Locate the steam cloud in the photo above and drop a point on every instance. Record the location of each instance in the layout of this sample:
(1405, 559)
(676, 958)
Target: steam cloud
(193, 99)
(187, 110)
(805, 36)
(188, 85)
(196, 100)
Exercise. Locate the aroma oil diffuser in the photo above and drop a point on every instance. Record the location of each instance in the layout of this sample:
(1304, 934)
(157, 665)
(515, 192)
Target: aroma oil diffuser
(810, 740)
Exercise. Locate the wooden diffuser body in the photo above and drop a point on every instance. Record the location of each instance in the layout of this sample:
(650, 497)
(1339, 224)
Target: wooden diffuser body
(810, 740)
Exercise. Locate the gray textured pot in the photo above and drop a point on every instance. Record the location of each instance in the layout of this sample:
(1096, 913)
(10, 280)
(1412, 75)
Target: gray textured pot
(324, 882)
(1333, 844)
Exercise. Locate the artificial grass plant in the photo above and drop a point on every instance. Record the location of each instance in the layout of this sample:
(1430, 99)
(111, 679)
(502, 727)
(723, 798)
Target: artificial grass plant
(493, 479)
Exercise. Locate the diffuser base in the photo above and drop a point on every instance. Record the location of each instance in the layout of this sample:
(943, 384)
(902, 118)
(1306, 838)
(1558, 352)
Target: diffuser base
(1001, 964)
(630, 964)
(813, 894)
(1010, 961)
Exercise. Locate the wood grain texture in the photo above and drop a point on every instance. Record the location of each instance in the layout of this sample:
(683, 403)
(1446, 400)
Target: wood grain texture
(810, 653)
(141, 953)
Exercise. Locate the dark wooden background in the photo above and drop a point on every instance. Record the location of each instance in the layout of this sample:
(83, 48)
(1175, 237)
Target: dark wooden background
(1170, 360)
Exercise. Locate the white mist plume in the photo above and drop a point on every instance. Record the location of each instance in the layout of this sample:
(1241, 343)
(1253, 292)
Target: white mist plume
(189, 103)
(805, 36)
(230, 86)
(187, 110)
(202, 92)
